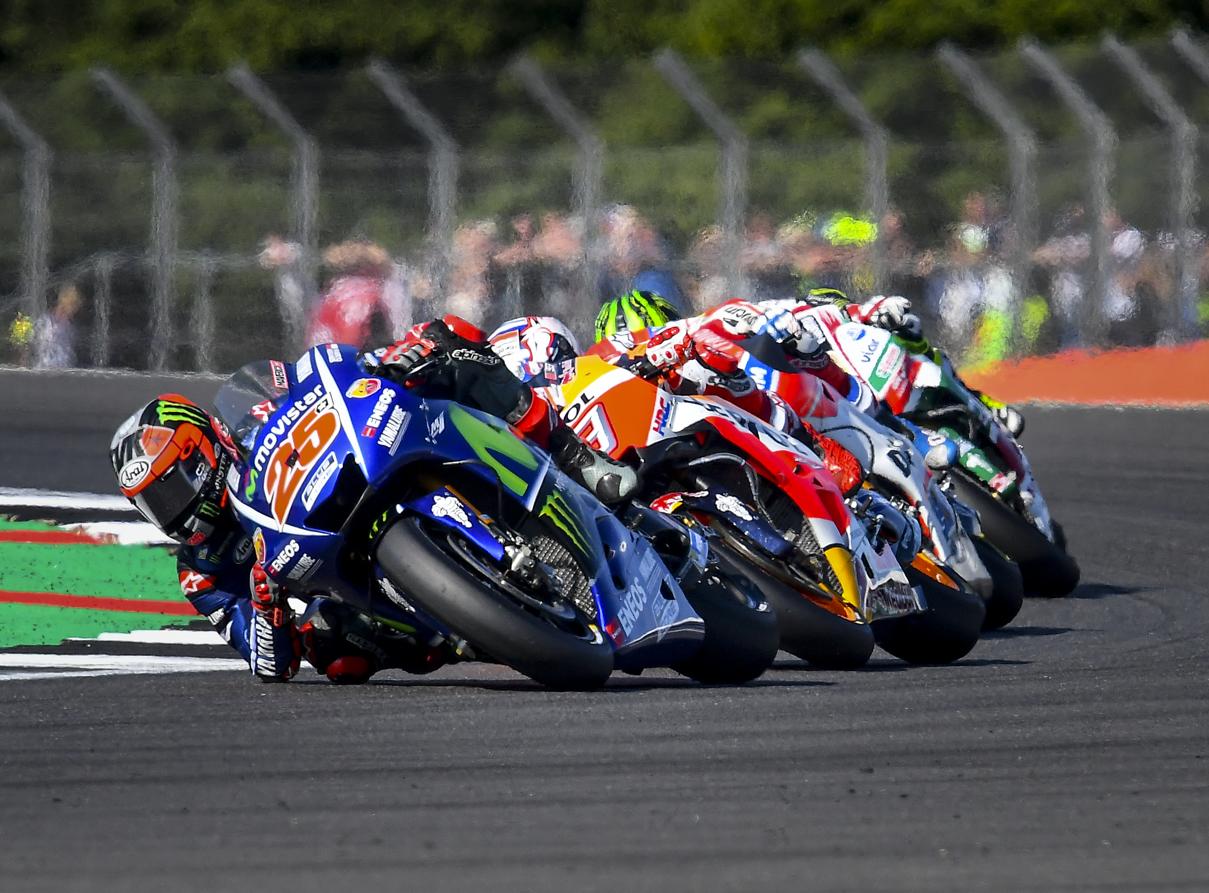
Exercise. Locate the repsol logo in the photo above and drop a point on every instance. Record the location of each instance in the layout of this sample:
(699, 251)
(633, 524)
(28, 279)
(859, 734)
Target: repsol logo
(271, 438)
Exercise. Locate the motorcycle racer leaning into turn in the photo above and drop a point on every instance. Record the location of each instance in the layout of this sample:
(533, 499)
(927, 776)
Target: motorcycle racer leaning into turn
(172, 459)
(621, 320)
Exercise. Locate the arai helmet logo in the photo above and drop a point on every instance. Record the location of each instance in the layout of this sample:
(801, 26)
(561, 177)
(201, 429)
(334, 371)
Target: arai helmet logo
(133, 472)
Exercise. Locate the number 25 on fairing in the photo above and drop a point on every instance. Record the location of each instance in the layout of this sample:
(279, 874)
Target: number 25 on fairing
(289, 465)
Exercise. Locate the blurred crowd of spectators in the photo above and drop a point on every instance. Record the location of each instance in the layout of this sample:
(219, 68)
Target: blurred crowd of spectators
(981, 295)
(967, 284)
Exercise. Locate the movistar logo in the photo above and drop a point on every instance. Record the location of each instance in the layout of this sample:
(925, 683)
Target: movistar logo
(560, 514)
(493, 444)
(167, 411)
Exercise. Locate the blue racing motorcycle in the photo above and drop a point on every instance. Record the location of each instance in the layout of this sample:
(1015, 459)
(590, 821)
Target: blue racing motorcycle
(439, 522)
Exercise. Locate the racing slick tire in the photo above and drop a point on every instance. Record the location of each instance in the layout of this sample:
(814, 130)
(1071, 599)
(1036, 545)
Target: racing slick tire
(1007, 594)
(946, 632)
(742, 635)
(817, 636)
(423, 564)
(1046, 569)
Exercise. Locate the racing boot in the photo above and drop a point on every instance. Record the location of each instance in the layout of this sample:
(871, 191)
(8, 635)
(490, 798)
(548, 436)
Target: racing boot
(1006, 415)
(612, 482)
(349, 648)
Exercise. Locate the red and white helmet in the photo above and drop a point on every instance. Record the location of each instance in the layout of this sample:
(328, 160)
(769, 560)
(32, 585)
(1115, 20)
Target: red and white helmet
(540, 350)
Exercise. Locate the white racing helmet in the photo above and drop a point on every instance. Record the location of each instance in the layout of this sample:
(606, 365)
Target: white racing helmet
(539, 350)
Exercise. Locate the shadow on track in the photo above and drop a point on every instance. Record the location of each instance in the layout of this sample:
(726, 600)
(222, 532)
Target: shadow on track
(1105, 590)
(615, 685)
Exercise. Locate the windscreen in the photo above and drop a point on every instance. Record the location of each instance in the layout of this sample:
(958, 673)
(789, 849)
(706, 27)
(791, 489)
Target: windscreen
(249, 398)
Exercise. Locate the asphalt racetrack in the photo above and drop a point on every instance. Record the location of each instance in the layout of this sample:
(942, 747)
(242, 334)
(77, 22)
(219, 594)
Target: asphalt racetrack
(1068, 752)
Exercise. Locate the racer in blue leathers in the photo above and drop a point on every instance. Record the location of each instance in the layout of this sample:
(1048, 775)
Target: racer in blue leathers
(172, 458)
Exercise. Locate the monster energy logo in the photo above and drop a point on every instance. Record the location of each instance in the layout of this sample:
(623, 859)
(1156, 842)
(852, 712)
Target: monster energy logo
(207, 510)
(168, 411)
(561, 516)
(250, 490)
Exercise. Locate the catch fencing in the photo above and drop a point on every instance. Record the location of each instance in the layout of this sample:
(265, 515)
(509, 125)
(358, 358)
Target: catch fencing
(1026, 200)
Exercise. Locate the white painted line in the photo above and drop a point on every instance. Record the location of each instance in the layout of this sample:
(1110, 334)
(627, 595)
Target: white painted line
(58, 499)
(160, 637)
(126, 533)
(82, 665)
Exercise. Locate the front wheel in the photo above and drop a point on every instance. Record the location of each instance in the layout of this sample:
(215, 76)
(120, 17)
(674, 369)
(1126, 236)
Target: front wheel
(1045, 567)
(947, 631)
(741, 632)
(1007, 592)
(819, 637)
(448, 583)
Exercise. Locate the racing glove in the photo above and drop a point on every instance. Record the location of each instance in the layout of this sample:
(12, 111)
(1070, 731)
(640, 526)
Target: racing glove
(273, 640)
(893, 313)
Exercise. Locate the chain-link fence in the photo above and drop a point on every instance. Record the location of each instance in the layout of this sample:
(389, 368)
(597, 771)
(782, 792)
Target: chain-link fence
(1026, 201)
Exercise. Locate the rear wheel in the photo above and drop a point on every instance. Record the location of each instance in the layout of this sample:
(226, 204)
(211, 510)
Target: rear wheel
(814, 634)
(1045, 568)
(1007, 594)
(947, 631)
(741, 631)
(554, 644)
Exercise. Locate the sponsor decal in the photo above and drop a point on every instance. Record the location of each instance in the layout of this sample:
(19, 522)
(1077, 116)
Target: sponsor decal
(483, 358)
(281, 381)
(318, 480)
(363, 387)
(333, 353)
(394, 595)
(283, 557)
(258, 545)
(304, 568)
(888, 361)
(133, 472)
(298, 453)
(249, 490)
(374, 422)
(393, 429)
(243, 549)
(632, 606)
(435, 427)
(732, 506)
(169, 411)
(271, 438)
(492, 445)
(665, 611)
(668, 503)
(263, 411)
(193, 583)
(556, 509)
(304, 367)
(451, 507)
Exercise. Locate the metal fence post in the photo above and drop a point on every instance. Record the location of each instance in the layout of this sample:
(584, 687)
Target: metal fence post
(1022, 144)
(733, 143)
(305, 186)
(102, 284)
(1181, 321)
(35, 209)
(163, 211)
(589, 177)
(442, 166)
(877, 140)
(1099, 130)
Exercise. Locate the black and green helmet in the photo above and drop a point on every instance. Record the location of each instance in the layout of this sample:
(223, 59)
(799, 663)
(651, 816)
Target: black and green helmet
(633, 311)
